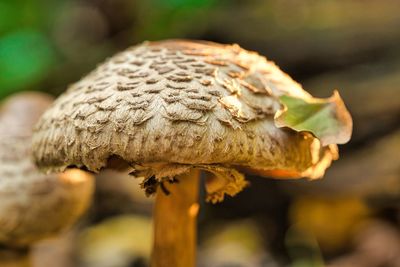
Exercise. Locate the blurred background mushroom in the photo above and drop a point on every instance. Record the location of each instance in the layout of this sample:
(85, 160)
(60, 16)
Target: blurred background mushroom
(33, 206)
(349, 45)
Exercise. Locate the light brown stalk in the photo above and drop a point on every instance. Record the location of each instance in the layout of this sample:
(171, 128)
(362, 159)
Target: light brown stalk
(175, 217)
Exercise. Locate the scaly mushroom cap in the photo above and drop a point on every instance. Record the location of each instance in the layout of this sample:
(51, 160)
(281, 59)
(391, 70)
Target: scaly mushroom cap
(164, 107)
(33, 205)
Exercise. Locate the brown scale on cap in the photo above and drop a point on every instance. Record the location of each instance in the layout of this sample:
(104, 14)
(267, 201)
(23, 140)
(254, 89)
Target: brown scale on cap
(165, 107)
(33, 205)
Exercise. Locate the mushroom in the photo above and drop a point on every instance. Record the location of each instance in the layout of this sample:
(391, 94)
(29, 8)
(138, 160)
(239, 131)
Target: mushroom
(33, 206)
(167, 110)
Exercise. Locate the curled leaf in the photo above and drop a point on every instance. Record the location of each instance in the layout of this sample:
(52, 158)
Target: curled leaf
(327, 119)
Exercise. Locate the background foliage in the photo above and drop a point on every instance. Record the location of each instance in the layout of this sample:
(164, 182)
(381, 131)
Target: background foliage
(353, 46)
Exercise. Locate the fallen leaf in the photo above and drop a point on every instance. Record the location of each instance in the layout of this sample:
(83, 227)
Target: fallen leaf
(327, 119)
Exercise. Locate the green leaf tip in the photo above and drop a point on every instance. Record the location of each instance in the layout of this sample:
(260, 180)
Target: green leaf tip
(327, 119)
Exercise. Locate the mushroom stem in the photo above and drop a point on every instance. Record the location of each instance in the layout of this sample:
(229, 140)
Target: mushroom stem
(15, 258)
(175, 217)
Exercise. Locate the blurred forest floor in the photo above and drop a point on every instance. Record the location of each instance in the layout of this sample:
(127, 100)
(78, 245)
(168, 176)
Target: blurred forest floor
(349, 218)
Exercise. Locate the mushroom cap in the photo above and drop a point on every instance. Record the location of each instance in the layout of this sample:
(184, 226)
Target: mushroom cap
(33, 205)
(19, 113)
(163, 107)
